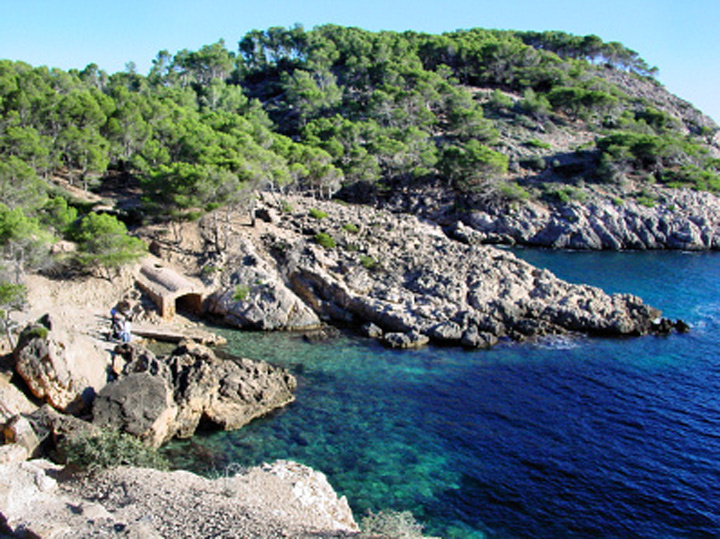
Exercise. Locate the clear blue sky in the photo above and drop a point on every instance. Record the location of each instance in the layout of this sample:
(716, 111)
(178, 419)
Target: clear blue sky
(678, 36)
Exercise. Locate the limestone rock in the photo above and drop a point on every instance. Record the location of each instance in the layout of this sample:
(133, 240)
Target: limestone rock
(33, 504)
(13, 401)
(422, 283)
(61, 367)
(680, 219)
(403, 341)
(11, 453)
(19, 431)
(140, 404)
(254, 296)
(160, 398)
(284, 499)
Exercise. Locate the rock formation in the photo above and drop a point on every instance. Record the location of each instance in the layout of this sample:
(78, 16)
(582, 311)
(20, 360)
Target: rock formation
(157, 399)
(284, 499)
(680, 219)
(254, 296)
(405, 276)
(62, 367)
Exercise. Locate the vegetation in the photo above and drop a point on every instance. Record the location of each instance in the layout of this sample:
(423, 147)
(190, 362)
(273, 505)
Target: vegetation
(96, 451)
(12, 298)
(318, 111)
(325, 240)
(241, 292)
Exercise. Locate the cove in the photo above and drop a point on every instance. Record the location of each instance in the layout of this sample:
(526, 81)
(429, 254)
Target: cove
(570, 436)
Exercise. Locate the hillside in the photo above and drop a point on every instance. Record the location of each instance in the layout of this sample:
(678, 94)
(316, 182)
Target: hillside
(477, 120)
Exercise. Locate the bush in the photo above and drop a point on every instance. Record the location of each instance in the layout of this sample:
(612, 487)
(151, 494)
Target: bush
(103, 241)
(109, 448)
(391, 525)
(564, 193)
(368, 262)
(512, 191)
(537, 143)
(350, 227)
(241, 292)
(325, 240)
(317, 214)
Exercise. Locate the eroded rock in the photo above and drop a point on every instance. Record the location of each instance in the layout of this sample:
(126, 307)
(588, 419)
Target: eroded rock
(62, 367)
(161, 398)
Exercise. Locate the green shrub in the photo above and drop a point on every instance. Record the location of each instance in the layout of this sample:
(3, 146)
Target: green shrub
(352, 228)
(325, 240)
(368, 262)
(241, 292)
(535, 163)
(34, 332)
(109, 448)
(286, 207)
(564, 193)
(512, 191)
(537, 143)
(317, 214)
(391, 525)
(646, 201)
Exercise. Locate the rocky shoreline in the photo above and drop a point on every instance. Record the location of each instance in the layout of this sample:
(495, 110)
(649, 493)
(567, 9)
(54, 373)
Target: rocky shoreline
(598, 218)
(404, 281)
(304, 264)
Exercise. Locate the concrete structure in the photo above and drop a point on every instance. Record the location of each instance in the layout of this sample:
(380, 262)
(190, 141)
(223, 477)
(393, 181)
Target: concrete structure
(169, 290)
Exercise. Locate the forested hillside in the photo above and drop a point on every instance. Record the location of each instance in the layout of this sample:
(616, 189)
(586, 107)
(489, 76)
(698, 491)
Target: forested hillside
(483, 114)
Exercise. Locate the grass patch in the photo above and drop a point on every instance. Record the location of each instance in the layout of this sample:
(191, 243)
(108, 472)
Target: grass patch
(325, 240)
(317, 214)
(241, 292)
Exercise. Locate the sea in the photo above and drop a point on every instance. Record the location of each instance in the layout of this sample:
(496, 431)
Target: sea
(568, 436)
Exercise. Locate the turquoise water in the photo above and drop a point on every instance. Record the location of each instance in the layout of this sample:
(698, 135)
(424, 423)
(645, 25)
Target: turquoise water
(568, 437)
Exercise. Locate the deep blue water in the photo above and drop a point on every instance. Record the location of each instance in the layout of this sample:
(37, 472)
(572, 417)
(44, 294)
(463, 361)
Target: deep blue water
(571, 437)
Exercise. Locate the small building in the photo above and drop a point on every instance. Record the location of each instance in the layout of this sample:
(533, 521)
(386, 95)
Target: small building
(169, 290)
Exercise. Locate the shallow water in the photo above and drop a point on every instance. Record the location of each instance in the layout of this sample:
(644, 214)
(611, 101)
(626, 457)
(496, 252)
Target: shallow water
(564, 437)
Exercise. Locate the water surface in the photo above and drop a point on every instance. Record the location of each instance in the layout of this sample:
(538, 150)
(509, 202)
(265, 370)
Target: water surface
(567, 437)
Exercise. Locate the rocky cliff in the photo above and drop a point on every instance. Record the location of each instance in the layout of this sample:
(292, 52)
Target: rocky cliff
(671, 219)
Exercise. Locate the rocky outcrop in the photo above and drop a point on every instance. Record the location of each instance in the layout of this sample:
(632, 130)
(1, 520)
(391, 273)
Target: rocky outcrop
(284, 499)
(62, 367)
(157, 399)
(677, 219)
(254, 296)
(12, 400)
(405, 276)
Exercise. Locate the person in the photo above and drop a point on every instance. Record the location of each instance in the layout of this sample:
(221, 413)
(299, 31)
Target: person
(126, 331)
(116, 324)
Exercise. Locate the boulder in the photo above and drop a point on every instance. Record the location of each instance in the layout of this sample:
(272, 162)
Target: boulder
(11, 453)
(20, 431)
(160, 398)
(62, 367)
(404, 341)
(140, 404)
(224, 393)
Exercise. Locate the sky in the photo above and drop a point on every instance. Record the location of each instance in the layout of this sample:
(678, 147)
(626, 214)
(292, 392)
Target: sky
(680, 37)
